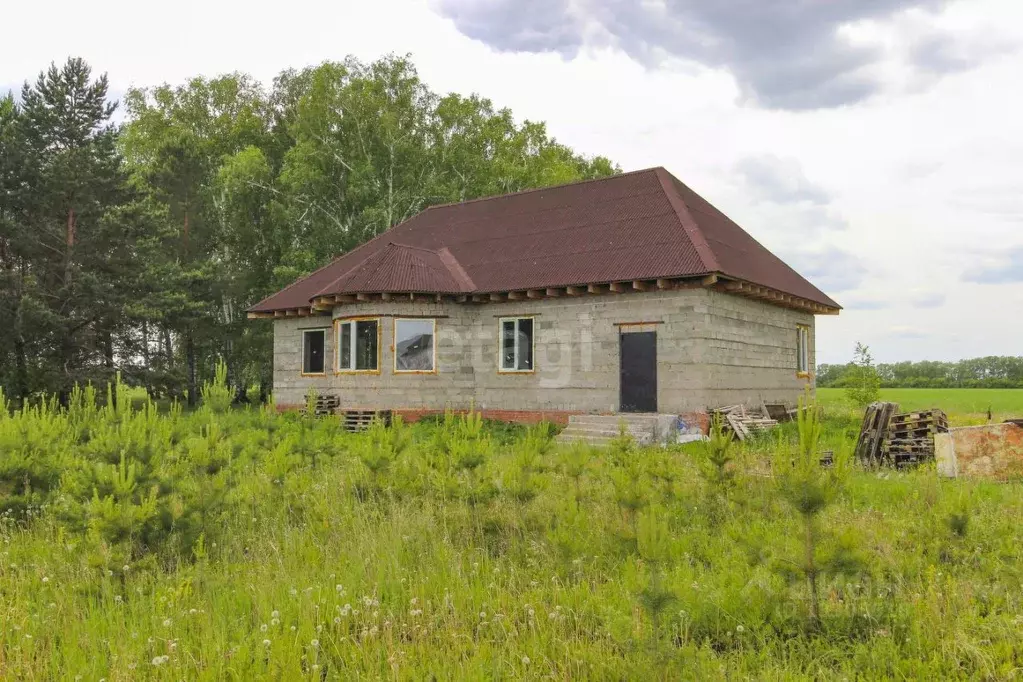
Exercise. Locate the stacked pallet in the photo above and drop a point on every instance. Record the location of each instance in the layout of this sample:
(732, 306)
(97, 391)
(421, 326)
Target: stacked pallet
(874, 431)
(736, 419)
(360, 420)
(326, 405)
(910, 437)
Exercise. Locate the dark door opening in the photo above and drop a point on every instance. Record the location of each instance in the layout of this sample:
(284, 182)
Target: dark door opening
(638, 361)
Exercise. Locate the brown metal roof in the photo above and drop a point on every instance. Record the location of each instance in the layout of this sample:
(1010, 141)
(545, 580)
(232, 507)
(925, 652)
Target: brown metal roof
(635, 226)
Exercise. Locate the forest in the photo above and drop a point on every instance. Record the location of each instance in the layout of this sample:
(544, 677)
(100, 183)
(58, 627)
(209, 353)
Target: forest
(987, 372)
(135, 234)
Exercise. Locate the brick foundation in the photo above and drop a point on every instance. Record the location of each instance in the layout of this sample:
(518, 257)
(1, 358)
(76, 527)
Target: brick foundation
(515, 416)
(559, 417)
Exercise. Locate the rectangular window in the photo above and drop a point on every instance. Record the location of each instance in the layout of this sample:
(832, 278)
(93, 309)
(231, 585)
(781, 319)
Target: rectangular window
(517, 344)
(313, 341)
(358, 345)
(803, 350)
(414, 345)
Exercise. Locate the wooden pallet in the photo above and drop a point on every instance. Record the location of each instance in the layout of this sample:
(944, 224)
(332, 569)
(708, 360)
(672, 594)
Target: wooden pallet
(360, 420)
(326, 405)
(923, 416)
(742, 424)
(827, 458)
(874, 431)
(905, 432)
(910, 436)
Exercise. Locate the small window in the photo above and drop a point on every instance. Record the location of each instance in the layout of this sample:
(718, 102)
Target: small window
(517, 344)
(358, 345)
(413, 345)
(803, 350)
(313, 341)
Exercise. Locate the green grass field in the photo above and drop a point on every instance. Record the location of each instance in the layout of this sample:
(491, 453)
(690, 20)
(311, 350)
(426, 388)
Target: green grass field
(226, 544)
(964, 406)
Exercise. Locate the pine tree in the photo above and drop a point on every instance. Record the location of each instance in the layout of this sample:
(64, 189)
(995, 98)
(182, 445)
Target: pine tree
(82, 238)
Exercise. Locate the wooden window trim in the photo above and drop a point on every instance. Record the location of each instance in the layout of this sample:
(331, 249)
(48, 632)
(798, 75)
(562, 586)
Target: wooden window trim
(500, 344)
(310, 330)
(394, 346)
(337, 344)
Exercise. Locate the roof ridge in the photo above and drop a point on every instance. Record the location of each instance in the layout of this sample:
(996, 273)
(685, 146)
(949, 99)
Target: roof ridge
(547, 187)
(455, 269)
(349, 271)
(685, 218)
(417, 248)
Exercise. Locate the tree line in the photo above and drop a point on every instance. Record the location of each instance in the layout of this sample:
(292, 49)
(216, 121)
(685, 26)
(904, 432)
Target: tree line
(135, 247)
(988, 372)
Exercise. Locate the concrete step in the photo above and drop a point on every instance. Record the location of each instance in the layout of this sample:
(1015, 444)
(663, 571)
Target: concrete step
(642, 420)
(565, 438)
(603, 428)
(594, 435)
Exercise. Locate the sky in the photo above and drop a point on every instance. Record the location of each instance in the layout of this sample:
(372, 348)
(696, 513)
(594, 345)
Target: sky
(875, 145)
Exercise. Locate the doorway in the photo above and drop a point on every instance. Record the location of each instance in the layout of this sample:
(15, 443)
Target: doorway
(638, 361)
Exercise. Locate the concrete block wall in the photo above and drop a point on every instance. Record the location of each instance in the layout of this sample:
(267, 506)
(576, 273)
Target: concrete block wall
(712, 349)
(452, 385)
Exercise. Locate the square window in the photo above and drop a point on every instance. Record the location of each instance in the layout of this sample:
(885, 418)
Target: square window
(313, 341)
(516, 344)
(414, 345)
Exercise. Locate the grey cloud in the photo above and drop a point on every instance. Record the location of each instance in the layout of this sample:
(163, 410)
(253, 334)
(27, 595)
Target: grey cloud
(929, 300)
(865, 304)
(517, 25)
(1009, 271)
(786, 54)
(780, 180)
(830, 269)
(940, 53)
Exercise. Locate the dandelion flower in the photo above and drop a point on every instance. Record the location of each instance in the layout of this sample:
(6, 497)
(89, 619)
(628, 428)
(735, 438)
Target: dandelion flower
(525, 660)
(266, 642)
(45, 579)
(740, 629)
(275, 622)
(275, 614)
(293, 628)
(315, 643)
(483, 614)
(167, 622)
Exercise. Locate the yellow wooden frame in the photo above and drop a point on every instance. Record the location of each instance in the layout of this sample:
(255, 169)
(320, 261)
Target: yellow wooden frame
(500, 344)
(337, 344)
(394, 345)
(800, 328)
(301, 371)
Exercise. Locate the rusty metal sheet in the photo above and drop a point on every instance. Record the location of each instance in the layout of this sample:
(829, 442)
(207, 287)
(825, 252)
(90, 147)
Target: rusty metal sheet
(994, 452)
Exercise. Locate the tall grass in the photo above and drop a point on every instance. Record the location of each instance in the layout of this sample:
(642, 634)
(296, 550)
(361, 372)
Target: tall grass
(249, 545)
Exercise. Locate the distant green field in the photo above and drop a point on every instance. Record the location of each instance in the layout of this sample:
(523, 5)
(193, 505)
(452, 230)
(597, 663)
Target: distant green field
(963, 405)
